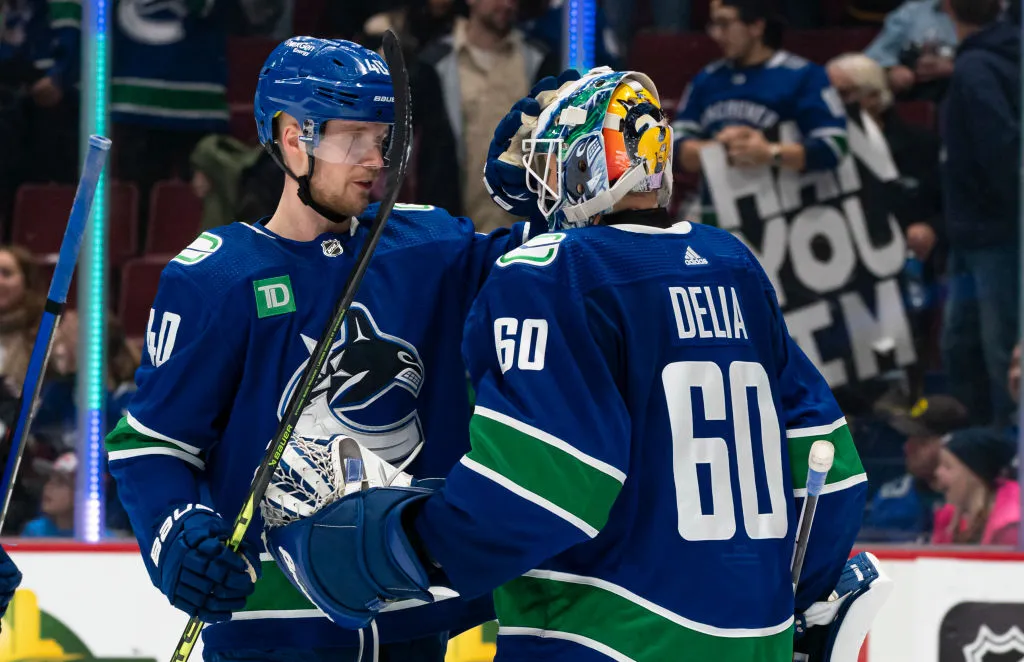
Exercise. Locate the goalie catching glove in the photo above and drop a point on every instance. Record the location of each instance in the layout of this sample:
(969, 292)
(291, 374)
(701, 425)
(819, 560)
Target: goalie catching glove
(334, 527)
(834, 630)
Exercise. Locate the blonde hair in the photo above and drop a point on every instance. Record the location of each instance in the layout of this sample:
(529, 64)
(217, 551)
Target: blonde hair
(867, 75)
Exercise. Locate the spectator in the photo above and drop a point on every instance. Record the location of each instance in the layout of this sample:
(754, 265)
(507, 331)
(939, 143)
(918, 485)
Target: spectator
(902, 509)
(981, 506)
(917, 195)
(916, 46)
(168, 88)
(738, 100)
(57, 518)
(466, 83)
(981, 185)
(21, 308)
(39, 66)
(915, 150)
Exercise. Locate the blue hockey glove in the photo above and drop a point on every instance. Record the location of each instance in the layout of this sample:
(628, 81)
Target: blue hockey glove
(10, 580)
(504, 172)
(833, 630)
(353, 556)
(191, 565)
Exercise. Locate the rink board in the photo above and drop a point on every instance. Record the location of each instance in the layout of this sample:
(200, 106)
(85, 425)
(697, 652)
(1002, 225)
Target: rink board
(95, 603)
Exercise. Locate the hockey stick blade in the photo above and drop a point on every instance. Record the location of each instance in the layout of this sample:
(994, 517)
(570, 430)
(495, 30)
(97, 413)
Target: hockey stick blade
(401, 146)
(95, 159)
(819, 462)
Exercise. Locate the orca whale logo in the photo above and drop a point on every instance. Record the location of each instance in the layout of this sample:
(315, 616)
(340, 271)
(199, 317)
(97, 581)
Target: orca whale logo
(367, 390)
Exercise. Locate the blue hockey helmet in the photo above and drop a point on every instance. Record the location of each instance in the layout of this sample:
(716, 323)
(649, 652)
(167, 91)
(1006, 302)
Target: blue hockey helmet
(317, 80)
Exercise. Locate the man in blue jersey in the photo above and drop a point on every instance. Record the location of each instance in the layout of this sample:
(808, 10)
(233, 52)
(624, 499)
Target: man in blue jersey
(641, 432)
(234, 322)
(743, 100)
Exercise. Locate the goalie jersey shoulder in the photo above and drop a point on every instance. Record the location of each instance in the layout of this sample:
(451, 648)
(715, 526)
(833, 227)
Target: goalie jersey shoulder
(587, 259)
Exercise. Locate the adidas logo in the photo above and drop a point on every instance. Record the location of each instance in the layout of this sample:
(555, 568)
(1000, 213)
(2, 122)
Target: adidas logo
(692, 259)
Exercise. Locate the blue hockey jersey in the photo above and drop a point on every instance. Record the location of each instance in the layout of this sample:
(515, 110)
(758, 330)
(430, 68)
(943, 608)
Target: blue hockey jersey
(170, 64)
(786, 88)
(639, 454)
(235, 320)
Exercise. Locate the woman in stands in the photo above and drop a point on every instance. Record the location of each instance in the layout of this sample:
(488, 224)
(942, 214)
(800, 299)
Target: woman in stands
(982, 506)
(21, 307)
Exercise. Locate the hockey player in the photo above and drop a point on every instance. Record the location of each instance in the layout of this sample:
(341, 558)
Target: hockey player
(741, 100)
(640, 437)
(234, 322)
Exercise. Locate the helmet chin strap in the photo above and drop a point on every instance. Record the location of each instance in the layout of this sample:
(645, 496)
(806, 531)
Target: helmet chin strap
(305, 189)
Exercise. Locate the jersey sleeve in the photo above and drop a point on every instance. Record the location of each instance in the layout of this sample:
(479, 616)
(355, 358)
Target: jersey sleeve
(186, 385)
(481, 252)
(687, 124)
(549, 435)
(811, 413)
(821, 116)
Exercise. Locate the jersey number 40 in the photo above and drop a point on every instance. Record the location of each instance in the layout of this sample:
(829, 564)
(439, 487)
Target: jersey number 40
(717, 520)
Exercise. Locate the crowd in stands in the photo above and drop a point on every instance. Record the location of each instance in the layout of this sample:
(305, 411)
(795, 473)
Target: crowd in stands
(934, 76)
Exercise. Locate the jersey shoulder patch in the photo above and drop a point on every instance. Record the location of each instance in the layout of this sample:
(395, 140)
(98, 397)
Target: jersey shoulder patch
(202, 247)
(220, 258)
(540, 251)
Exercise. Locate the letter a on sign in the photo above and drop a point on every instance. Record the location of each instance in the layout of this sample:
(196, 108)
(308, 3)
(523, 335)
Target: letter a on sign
(274, 296)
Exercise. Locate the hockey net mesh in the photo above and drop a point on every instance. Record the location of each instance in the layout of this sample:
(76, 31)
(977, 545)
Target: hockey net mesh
(305, 482)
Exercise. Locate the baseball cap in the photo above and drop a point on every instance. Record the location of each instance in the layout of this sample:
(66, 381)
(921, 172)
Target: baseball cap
(933, 416)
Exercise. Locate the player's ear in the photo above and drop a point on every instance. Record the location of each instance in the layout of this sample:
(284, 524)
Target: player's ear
(291, 149)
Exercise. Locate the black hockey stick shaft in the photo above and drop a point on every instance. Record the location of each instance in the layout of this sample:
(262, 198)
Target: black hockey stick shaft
(401, 142)
(819, 462)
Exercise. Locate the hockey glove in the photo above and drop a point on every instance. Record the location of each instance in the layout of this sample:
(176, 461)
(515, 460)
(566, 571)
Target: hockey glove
(353, 557)
(10, 579)
(191, 565)
(833, 630)
(504, 172)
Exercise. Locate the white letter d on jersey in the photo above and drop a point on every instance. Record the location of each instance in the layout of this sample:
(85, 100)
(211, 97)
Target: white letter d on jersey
(160, 343)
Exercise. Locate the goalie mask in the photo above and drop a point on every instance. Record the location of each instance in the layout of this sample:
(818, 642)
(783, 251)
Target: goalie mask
(599, 139)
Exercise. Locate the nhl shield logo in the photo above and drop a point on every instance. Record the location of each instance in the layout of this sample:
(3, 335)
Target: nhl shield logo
(991, 647)
(332, 247)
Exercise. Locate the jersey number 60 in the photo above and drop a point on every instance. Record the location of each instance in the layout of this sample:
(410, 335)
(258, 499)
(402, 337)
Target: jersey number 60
(717, 520)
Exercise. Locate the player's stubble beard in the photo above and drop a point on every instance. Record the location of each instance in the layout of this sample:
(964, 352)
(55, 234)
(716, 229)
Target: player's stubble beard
(347, 199)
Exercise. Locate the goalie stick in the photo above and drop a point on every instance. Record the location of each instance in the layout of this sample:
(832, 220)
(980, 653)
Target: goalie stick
(95, 159)
(399, 150)
(819, 462)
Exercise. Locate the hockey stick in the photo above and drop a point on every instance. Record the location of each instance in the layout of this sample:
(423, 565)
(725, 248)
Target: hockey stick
(819, 461)
(95, 159)
(401, 142)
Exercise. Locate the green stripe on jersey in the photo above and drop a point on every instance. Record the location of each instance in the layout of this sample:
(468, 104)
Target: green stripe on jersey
(68, 12)
(846, 465)
(543, 469)
(125, 442)
(619, 623)
(168, 98)
(274, 592)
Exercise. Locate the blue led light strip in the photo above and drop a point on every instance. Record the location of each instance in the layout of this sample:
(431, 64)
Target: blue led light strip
(92, 282)
(580, 21)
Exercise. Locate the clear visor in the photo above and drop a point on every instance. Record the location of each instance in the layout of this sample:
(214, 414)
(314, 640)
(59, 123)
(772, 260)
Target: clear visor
(364, 144)
(542, 158)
